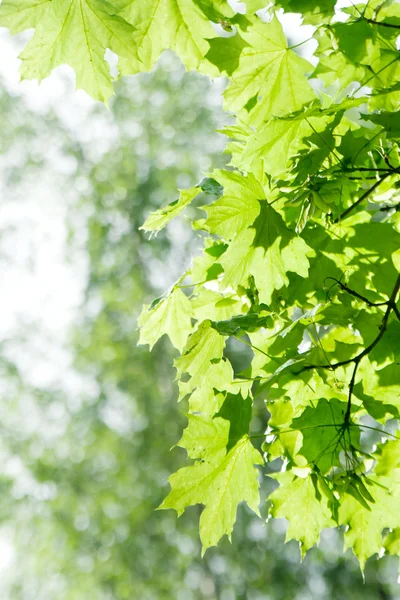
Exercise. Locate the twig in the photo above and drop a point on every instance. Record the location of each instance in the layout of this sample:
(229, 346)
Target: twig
(355, 294)
(351, 388)
(396, 311)
(367, 169)
(391, 305)
(395, 207)
(383, 24)
(362, 198)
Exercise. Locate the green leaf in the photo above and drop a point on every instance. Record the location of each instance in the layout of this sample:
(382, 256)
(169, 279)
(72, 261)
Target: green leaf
(312, 11)
(242, 323)
(78, 32)
(279, 140)
(269, 71)
(326, 435)
(178, 25)
(170, 316)
(160, 218)
(19, 15)
(205, 438)
(210, 394)
(365, 525)
(203, 346)
(300, 501)
(215, 306)
(225, 476)
(238, 207)
(267, 250)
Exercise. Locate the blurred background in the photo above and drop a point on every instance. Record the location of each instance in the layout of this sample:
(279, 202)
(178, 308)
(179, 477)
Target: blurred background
(87, 418)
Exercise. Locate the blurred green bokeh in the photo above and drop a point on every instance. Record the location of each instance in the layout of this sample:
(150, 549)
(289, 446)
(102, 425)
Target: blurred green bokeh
(86, 458)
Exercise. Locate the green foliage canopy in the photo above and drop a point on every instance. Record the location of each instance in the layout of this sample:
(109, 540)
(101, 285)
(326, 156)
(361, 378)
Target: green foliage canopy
(301, 254)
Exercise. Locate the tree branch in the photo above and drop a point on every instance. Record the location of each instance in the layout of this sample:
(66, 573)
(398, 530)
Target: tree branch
(356, 294)
(391, 305)
(396, 311)
(383, 24)
(362, 198)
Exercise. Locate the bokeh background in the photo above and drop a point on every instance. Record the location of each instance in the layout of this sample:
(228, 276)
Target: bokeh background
(87, 418)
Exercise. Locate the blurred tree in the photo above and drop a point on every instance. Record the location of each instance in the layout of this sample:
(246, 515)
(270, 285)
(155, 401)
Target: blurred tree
(81, 485)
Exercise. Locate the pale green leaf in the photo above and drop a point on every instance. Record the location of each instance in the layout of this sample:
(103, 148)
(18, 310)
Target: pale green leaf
(203, 346)
(238, 207)
(299, 500)
(78, 32)
(160, 218)
(171, 316)
(269, 71)
(267, 250)
(366, 524)
(220, 486)
(19, 15)
(179, 25)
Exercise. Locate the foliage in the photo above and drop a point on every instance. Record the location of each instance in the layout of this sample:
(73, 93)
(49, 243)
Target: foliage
(301, 254)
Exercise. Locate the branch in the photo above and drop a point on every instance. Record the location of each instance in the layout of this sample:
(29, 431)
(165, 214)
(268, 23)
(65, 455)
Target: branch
(367, 170)
(351, 388)
(391, 305)
(362, 198)
(356, 294)
(395, 207)
(383, 24)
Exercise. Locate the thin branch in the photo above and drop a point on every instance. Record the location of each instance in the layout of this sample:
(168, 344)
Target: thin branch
(367, 169)
(396, 311)
(351, 388)
(277, 432)
(355, 294)
(383, 24)
(395, 207)
(391, 305)
(362, 198)
(370, 177)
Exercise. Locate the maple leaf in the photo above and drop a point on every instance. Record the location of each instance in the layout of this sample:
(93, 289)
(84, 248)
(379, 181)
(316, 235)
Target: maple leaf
(238, 207)
(77, 32)
(160, 218)
(325, 436)
(366, 522)
(225, 476)
(171, 316)
(179, 25)
(269, 71)
(19, 15)
(299, 500)
(267, 250)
